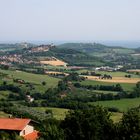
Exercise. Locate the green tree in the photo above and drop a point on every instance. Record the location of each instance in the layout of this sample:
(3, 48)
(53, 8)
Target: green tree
(129, 127)
(92, 124)
(43, 83)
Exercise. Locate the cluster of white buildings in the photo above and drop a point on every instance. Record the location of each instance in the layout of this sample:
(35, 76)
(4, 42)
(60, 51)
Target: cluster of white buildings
(107, 68)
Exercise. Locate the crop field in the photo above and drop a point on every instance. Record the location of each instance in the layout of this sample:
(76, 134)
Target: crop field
(58, 113)
(117, 74)
(123, 104)
(115, 79)
(134, 70)
(125, 86)
(56, 62)
(55, 72)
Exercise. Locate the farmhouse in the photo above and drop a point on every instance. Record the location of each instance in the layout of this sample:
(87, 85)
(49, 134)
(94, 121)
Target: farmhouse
(20, 126)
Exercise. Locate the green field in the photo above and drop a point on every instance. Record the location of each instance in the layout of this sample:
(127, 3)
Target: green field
(29, 77)
(58, 113)
(122, 105)
(118, 74)
(125, 86)
(4, 94)
(113, 74)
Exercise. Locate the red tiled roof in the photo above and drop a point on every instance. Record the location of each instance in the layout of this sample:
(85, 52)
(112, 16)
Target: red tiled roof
(32, 136)
(13, 123)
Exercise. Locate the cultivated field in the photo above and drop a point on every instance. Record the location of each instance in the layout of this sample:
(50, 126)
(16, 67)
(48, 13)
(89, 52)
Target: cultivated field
(115, 79)
(134, 70)
(54, 62)
(122, 105)
(55, 72)
(125, 86)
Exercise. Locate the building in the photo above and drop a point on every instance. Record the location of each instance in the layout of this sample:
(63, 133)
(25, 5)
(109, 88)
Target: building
(29, 98)
(20, 126)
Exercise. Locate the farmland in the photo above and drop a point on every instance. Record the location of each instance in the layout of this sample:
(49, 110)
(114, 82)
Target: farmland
(55, 62)
(35, 79)
(126, 86)
(115, 79)
(123, 104)
(30, 77)
(46, 82)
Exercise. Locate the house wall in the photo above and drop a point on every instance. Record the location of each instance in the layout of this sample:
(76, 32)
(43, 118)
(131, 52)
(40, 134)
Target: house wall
(28, 129)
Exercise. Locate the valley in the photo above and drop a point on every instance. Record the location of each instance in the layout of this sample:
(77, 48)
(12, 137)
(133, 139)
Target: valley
(47, 81)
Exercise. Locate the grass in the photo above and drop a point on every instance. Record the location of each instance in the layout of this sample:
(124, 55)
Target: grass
(117, 74)
(123, 104)
(3, 114)
(125, 86)
(58, 113)
(116, 116)
(106, 92)
(4, 94)
(29, 77)
(113, 74)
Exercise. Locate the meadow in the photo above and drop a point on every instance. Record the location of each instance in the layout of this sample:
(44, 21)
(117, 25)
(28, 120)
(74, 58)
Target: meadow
(58, 113)
(35, 79)
(30, 77)
(125, 86)
(123, 104)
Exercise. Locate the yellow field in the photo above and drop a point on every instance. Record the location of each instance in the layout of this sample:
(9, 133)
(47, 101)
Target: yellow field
(55, 72)
(136, 54)
(55, 62)
(134, 70)
(115, 79)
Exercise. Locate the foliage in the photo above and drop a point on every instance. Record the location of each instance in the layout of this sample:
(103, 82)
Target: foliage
(92, 124)
(129, 127)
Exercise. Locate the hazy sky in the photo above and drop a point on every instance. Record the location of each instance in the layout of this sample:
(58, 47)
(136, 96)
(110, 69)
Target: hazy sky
(23, 20)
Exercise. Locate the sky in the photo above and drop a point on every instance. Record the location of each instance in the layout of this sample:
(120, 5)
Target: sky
(77, 20)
